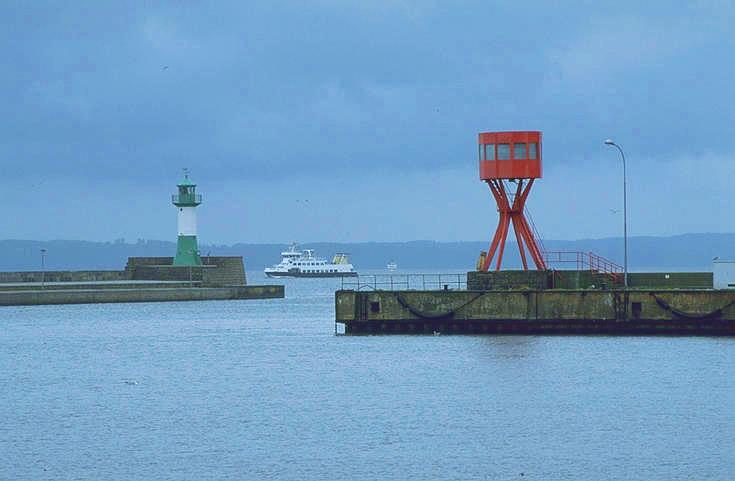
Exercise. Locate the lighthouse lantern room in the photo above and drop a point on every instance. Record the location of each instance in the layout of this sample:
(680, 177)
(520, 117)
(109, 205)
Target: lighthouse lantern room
(186, 201)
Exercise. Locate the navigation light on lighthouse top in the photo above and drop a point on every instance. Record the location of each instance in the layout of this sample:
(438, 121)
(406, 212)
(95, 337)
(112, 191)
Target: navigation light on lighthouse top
(187, 196)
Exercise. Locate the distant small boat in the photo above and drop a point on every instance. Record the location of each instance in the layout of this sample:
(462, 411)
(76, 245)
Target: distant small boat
(391, 266)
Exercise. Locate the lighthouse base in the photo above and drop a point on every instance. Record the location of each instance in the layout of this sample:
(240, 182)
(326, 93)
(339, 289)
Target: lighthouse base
(187, 251)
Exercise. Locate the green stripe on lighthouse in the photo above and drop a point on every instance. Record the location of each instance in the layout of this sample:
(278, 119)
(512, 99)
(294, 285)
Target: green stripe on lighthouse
(187, 251)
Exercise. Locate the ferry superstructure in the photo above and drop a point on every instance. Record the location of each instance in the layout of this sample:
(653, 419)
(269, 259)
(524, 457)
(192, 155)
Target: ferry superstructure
(296, 263)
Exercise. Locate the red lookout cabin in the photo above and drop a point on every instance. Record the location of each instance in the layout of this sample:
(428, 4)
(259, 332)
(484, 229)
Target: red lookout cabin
(509, 163)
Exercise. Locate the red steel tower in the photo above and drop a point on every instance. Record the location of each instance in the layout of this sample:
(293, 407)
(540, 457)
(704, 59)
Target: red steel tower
(511, 158)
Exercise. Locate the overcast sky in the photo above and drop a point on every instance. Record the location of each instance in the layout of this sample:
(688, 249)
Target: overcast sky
(352, 121)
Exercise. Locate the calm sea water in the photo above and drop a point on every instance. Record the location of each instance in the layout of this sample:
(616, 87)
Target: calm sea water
(265, 390)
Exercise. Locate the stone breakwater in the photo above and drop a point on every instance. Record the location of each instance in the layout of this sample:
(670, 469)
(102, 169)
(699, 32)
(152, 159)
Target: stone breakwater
(144, 279)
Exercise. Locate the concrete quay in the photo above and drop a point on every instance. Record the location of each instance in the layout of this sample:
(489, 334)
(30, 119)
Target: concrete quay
(139, 293)
(706, 312)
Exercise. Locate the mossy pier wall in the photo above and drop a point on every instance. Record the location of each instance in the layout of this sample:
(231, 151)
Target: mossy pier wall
(542, 310)
(538, 311)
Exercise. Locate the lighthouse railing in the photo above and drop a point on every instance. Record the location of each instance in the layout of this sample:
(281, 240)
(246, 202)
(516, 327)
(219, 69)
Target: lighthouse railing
(187, 199)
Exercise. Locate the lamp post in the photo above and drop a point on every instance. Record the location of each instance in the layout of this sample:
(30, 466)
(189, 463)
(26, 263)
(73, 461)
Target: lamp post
(43, 268)
(192, 252)
(625, 213)
(191, 283)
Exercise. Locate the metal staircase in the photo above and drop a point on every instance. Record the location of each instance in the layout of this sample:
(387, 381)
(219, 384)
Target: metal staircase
(586, 261)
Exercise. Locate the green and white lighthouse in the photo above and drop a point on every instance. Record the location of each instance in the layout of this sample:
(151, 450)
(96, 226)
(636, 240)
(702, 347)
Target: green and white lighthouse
(187, 250)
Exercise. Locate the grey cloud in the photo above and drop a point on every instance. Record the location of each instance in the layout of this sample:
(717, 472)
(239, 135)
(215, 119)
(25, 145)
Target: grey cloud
(252, 89)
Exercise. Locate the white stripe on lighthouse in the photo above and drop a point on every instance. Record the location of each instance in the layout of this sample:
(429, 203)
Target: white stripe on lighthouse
(187, 221)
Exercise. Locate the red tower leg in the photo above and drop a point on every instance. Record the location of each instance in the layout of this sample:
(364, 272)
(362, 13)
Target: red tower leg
(517, 229)
(527, 233)
(499, 199)
(506, 215)
(514, 214)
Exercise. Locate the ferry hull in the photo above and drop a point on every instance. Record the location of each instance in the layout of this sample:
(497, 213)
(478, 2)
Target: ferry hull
(311, 274)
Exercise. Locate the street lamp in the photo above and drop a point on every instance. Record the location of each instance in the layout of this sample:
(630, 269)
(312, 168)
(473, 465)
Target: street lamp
(625, 213)
(191, 253)
(43, 268)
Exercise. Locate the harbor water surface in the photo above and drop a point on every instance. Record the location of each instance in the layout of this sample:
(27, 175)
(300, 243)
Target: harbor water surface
(265, 390)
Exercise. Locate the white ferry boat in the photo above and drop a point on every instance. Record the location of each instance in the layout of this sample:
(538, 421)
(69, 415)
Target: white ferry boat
(392, 266)
(295, 263)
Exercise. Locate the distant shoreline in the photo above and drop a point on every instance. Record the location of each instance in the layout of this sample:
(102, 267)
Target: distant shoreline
(680, 252)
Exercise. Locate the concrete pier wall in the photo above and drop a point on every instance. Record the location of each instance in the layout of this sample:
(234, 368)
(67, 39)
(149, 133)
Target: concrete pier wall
(539, 311)
(62, 276)
(671, 280)
(215, 271)
(230, 271)
(138, 294)
(65, 286)
(585, 279)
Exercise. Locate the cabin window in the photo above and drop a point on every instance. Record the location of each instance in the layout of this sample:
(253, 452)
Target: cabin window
(490, 152)
(481, 151)
(503, 151)
(533, 150)
(519, 151)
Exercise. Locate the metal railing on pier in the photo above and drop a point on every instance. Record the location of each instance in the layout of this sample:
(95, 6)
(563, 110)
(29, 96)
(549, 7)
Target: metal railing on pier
(584, 261)
(394, 282)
